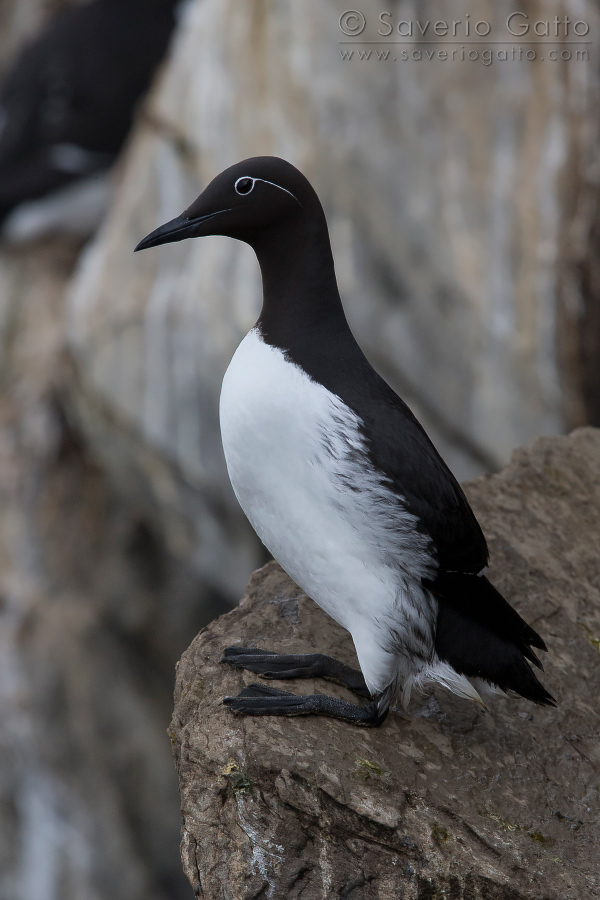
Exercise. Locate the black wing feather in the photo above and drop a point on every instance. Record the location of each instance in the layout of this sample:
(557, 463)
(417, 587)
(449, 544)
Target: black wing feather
(477, 631)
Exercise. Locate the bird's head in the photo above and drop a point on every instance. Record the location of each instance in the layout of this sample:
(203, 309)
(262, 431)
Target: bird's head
(246, 201)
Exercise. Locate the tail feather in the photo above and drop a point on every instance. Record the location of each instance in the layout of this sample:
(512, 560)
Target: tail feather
(481, 636)
(530, 655)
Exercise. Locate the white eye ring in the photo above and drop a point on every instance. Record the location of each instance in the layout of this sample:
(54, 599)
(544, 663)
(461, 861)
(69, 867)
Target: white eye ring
(245, 178)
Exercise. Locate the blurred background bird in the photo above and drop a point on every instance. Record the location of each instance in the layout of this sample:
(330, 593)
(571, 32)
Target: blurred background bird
(66, 107)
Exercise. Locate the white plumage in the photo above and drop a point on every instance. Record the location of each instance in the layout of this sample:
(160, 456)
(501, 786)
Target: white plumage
(299, 468)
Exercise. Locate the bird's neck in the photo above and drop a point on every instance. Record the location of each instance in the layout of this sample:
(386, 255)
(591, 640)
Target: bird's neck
(300, 291)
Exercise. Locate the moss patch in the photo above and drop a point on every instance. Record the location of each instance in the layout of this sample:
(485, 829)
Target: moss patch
(368, 767)
(238, 781)
(440, 835)
(536, 836)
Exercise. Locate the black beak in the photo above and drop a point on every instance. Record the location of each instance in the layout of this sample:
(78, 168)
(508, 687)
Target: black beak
(176, 230)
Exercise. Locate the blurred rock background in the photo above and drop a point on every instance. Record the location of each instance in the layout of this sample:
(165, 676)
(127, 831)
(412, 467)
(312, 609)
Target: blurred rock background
(463, 204)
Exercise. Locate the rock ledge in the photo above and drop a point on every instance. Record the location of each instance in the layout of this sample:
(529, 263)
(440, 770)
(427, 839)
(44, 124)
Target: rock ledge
(447, 802)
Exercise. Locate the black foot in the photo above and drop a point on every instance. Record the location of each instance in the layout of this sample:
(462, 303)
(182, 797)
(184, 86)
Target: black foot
(299, 665)
(262, 700)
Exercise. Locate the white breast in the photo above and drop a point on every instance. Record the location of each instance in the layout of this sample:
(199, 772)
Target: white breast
(298, 465)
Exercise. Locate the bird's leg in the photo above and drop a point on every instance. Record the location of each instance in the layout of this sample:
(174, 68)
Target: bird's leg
(296, 665)
(263, 700)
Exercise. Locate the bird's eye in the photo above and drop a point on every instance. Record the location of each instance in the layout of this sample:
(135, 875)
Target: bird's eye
(244, 185)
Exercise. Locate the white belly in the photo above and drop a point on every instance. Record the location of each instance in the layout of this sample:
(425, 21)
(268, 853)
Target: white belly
(298, 467)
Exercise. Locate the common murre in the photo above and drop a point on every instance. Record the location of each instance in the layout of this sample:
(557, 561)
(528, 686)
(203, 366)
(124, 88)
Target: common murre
(341, 482)
(66, 106)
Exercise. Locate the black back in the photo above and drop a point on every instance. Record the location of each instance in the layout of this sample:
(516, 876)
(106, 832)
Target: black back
(477, 631)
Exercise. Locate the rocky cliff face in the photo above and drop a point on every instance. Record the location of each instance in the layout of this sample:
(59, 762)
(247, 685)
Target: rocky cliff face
(447, 802)
(93, 613)
(463, 206)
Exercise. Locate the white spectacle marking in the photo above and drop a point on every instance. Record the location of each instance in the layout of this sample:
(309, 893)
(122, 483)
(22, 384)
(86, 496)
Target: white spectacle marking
(281, 189)
(244, 178)
(264, 181)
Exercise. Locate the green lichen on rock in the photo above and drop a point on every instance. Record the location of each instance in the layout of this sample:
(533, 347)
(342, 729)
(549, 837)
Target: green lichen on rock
(594, 641)
(368, 768)
(440, 835)
(536, 836)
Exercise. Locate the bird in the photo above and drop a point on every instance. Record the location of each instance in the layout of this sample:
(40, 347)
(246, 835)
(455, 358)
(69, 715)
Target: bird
(66, 106)
(341, 482)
